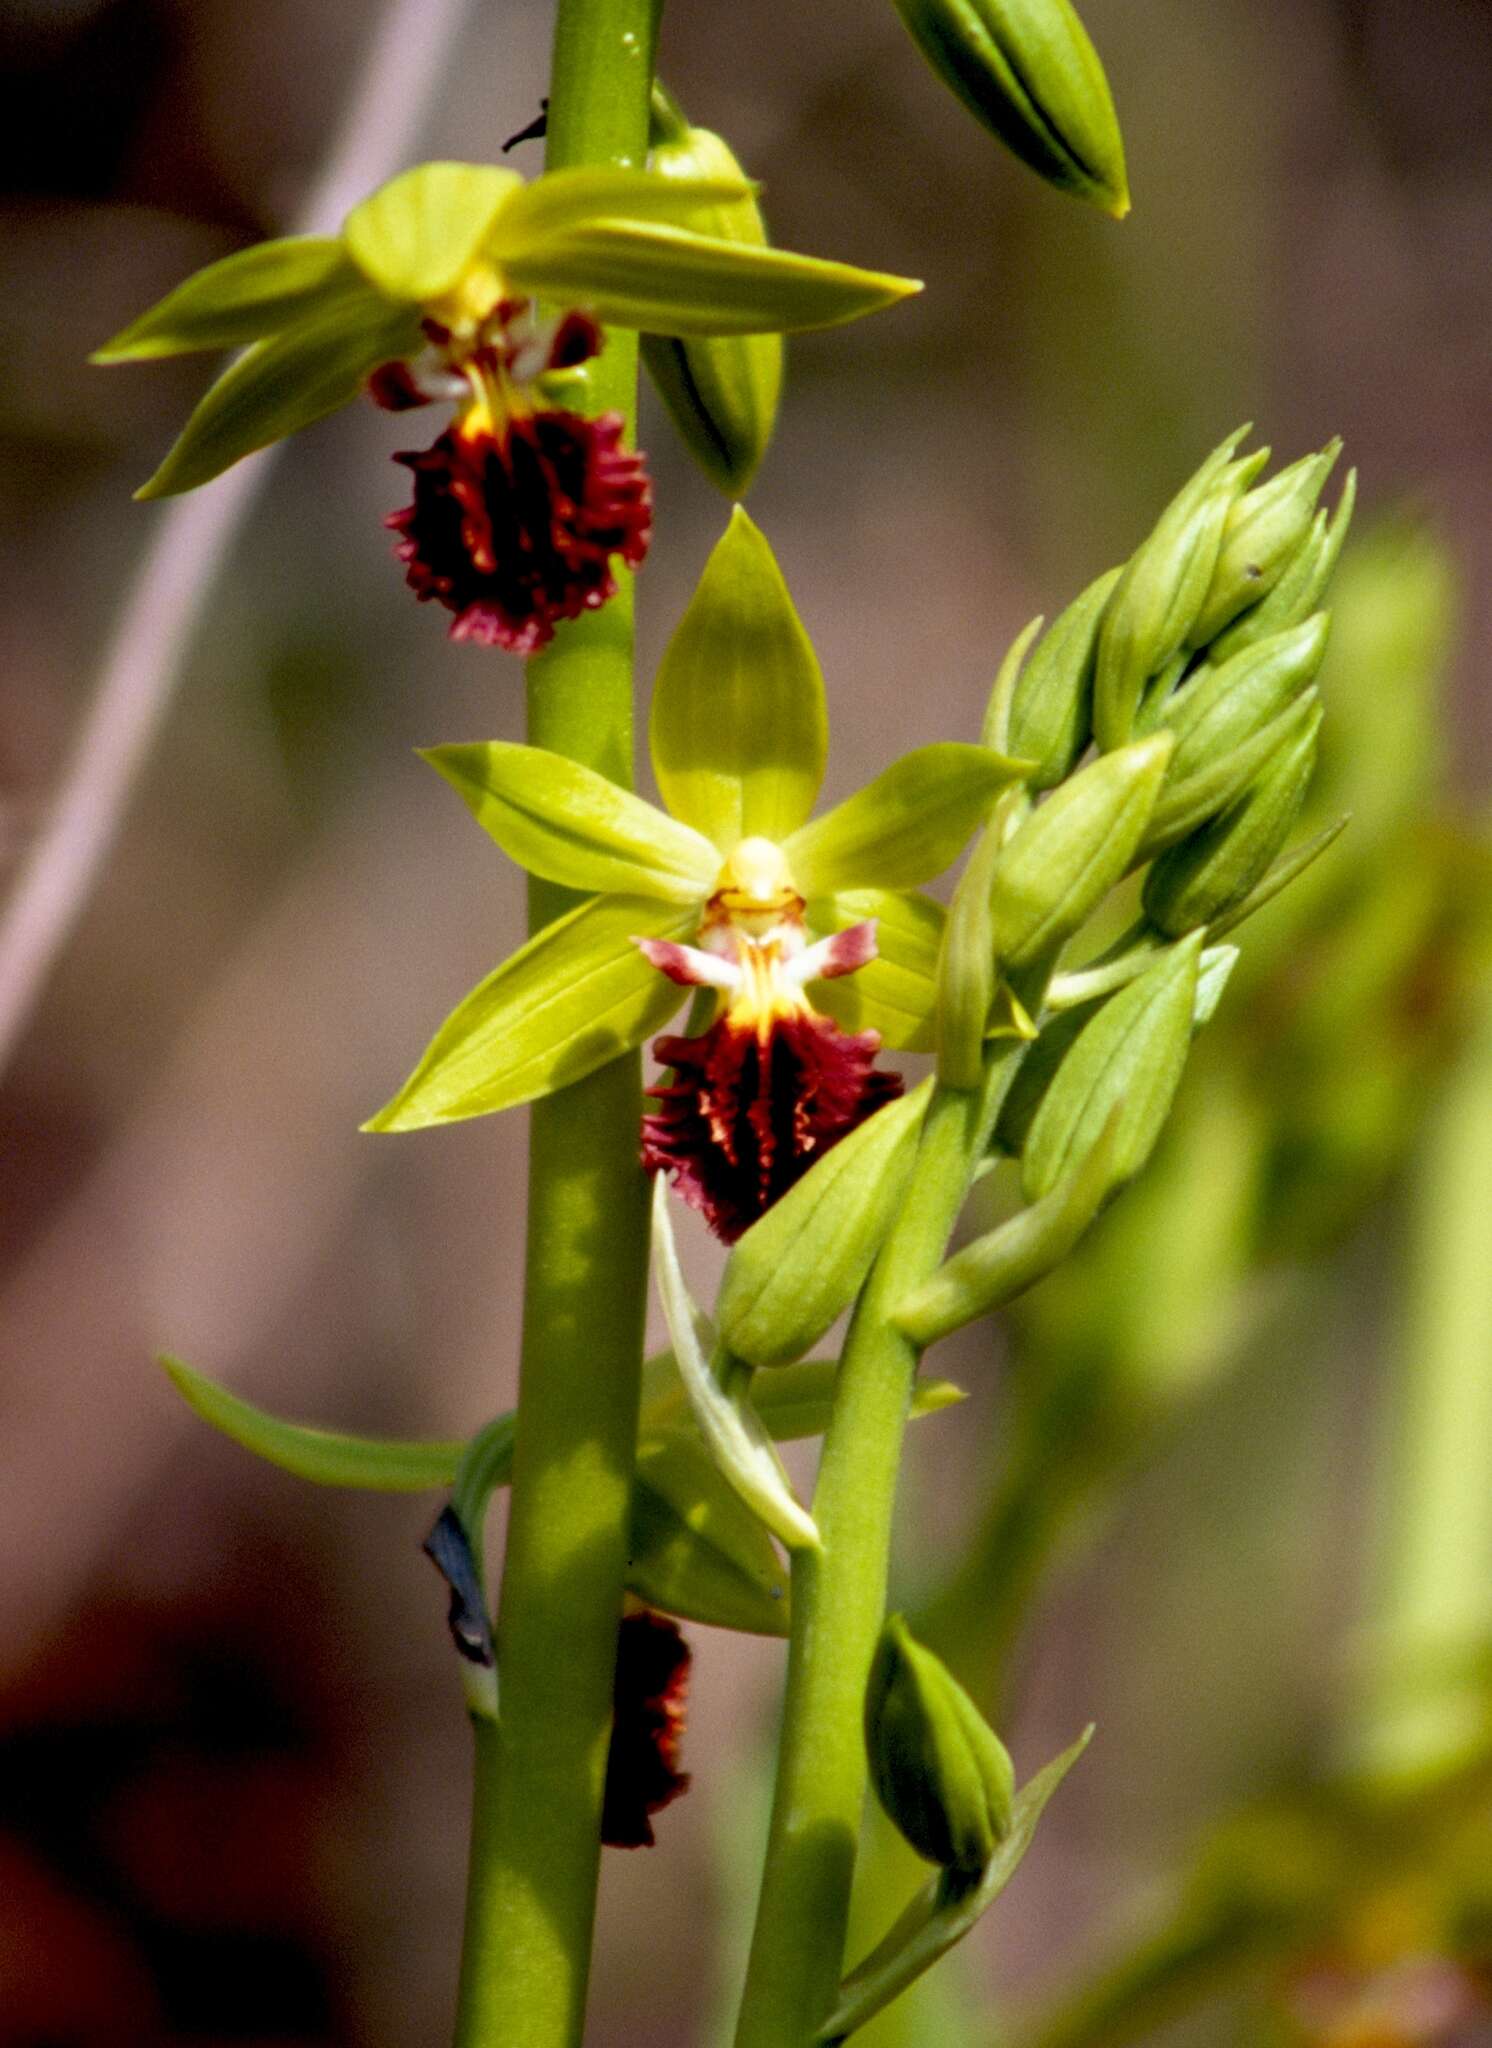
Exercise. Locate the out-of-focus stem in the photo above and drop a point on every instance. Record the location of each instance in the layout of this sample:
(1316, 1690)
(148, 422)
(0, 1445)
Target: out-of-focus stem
(1424, 1707)
(541, 1773)
(406, 62)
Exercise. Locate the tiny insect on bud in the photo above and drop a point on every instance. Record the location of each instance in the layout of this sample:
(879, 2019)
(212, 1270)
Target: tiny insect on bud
(941, 1773)
(1264, 529)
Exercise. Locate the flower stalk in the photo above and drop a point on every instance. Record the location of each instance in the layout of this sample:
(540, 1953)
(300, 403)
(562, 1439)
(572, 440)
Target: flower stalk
(839, 1592)
(540, 1784)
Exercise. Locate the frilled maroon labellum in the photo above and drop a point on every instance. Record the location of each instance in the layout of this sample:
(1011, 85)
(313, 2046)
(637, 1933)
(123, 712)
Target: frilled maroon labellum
(514, 524)
(771, 1085)
(642, 1766)
(747, 1113)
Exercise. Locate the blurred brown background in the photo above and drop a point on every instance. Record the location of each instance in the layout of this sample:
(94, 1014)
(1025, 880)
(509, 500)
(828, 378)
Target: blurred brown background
(232, 1755)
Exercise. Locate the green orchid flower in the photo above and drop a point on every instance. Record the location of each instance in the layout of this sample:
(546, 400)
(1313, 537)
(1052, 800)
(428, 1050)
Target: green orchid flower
(734, 887)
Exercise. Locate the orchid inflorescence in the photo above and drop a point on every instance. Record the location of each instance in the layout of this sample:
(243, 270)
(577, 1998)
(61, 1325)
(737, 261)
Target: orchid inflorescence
(1150, 750)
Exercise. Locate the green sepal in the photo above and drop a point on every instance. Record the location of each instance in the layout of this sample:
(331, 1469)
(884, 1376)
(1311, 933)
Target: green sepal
(1278, 877)
(1062, 862)
(254, 292)
(696, 1550)
(995, 726)
(733, 1432)
(1200, 880)
(803, 1262)
(995, 1268)
(1264, 529)
(672, 280)
(895, 994)
(942, 1775)
(573, 826)
(722, 390)
(739, 730)
(1160, 591)
(1130, 1055)
(562, 201)
(578, 994)
(905, 827)
(325, 1456)
(283, 384)
(1028, 72)
(1185, 806)
(1301, 584)
(416, 235)
(1051, 705)
(943, 1912)
(966, 967)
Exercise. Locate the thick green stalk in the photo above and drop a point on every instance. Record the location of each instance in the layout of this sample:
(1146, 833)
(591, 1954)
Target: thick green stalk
(541, 1770)
(839, 1596)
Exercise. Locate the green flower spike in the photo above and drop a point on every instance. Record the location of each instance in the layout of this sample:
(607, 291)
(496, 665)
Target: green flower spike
(722, 889)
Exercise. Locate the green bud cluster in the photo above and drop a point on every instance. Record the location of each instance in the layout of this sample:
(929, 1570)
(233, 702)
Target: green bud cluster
(940, 1771)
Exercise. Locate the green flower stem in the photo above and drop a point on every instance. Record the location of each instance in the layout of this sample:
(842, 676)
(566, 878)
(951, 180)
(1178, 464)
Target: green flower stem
(540, 1776)
(839, 1595)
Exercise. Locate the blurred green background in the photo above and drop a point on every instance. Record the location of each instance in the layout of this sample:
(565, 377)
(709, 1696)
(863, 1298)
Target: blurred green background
(232, 1757)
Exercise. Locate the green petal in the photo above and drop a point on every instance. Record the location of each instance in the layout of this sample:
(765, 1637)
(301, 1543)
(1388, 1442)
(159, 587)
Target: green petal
(903, 828)
(575, 198)
(414, 236)
(381, 1464)
(669, 280)
(283, 384)
(573, 826)
(250, 294)
(577, 995)
(896, 994)
(739, 731)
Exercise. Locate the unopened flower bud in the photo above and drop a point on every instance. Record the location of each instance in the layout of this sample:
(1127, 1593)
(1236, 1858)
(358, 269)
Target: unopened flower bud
(1206, 875)
(1070, 852)
(1027, 71)
(1162, 589)
(1223, 706)
(1051, 707)
(1263, 531)
(940, 1771)
(720, 390)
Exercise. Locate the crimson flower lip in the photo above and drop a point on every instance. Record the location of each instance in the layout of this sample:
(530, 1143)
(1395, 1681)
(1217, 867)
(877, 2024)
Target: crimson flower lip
(771, 1086)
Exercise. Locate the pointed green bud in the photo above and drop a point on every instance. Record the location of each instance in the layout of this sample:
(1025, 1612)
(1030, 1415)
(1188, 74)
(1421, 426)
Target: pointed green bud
(1128, 1056)
(1264, 530)
(721, 391)
(1062, 862)
(1161, 589)
(1027, 72)
(1051, 706)
(1186, 806)
(940, 1771)
(804, 1261)
(1222, 706)
(1206, 875)
(1301, 583)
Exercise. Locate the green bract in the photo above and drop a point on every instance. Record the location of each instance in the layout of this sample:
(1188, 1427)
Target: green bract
(739, 738)
(1027, 70)
(448, 242)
